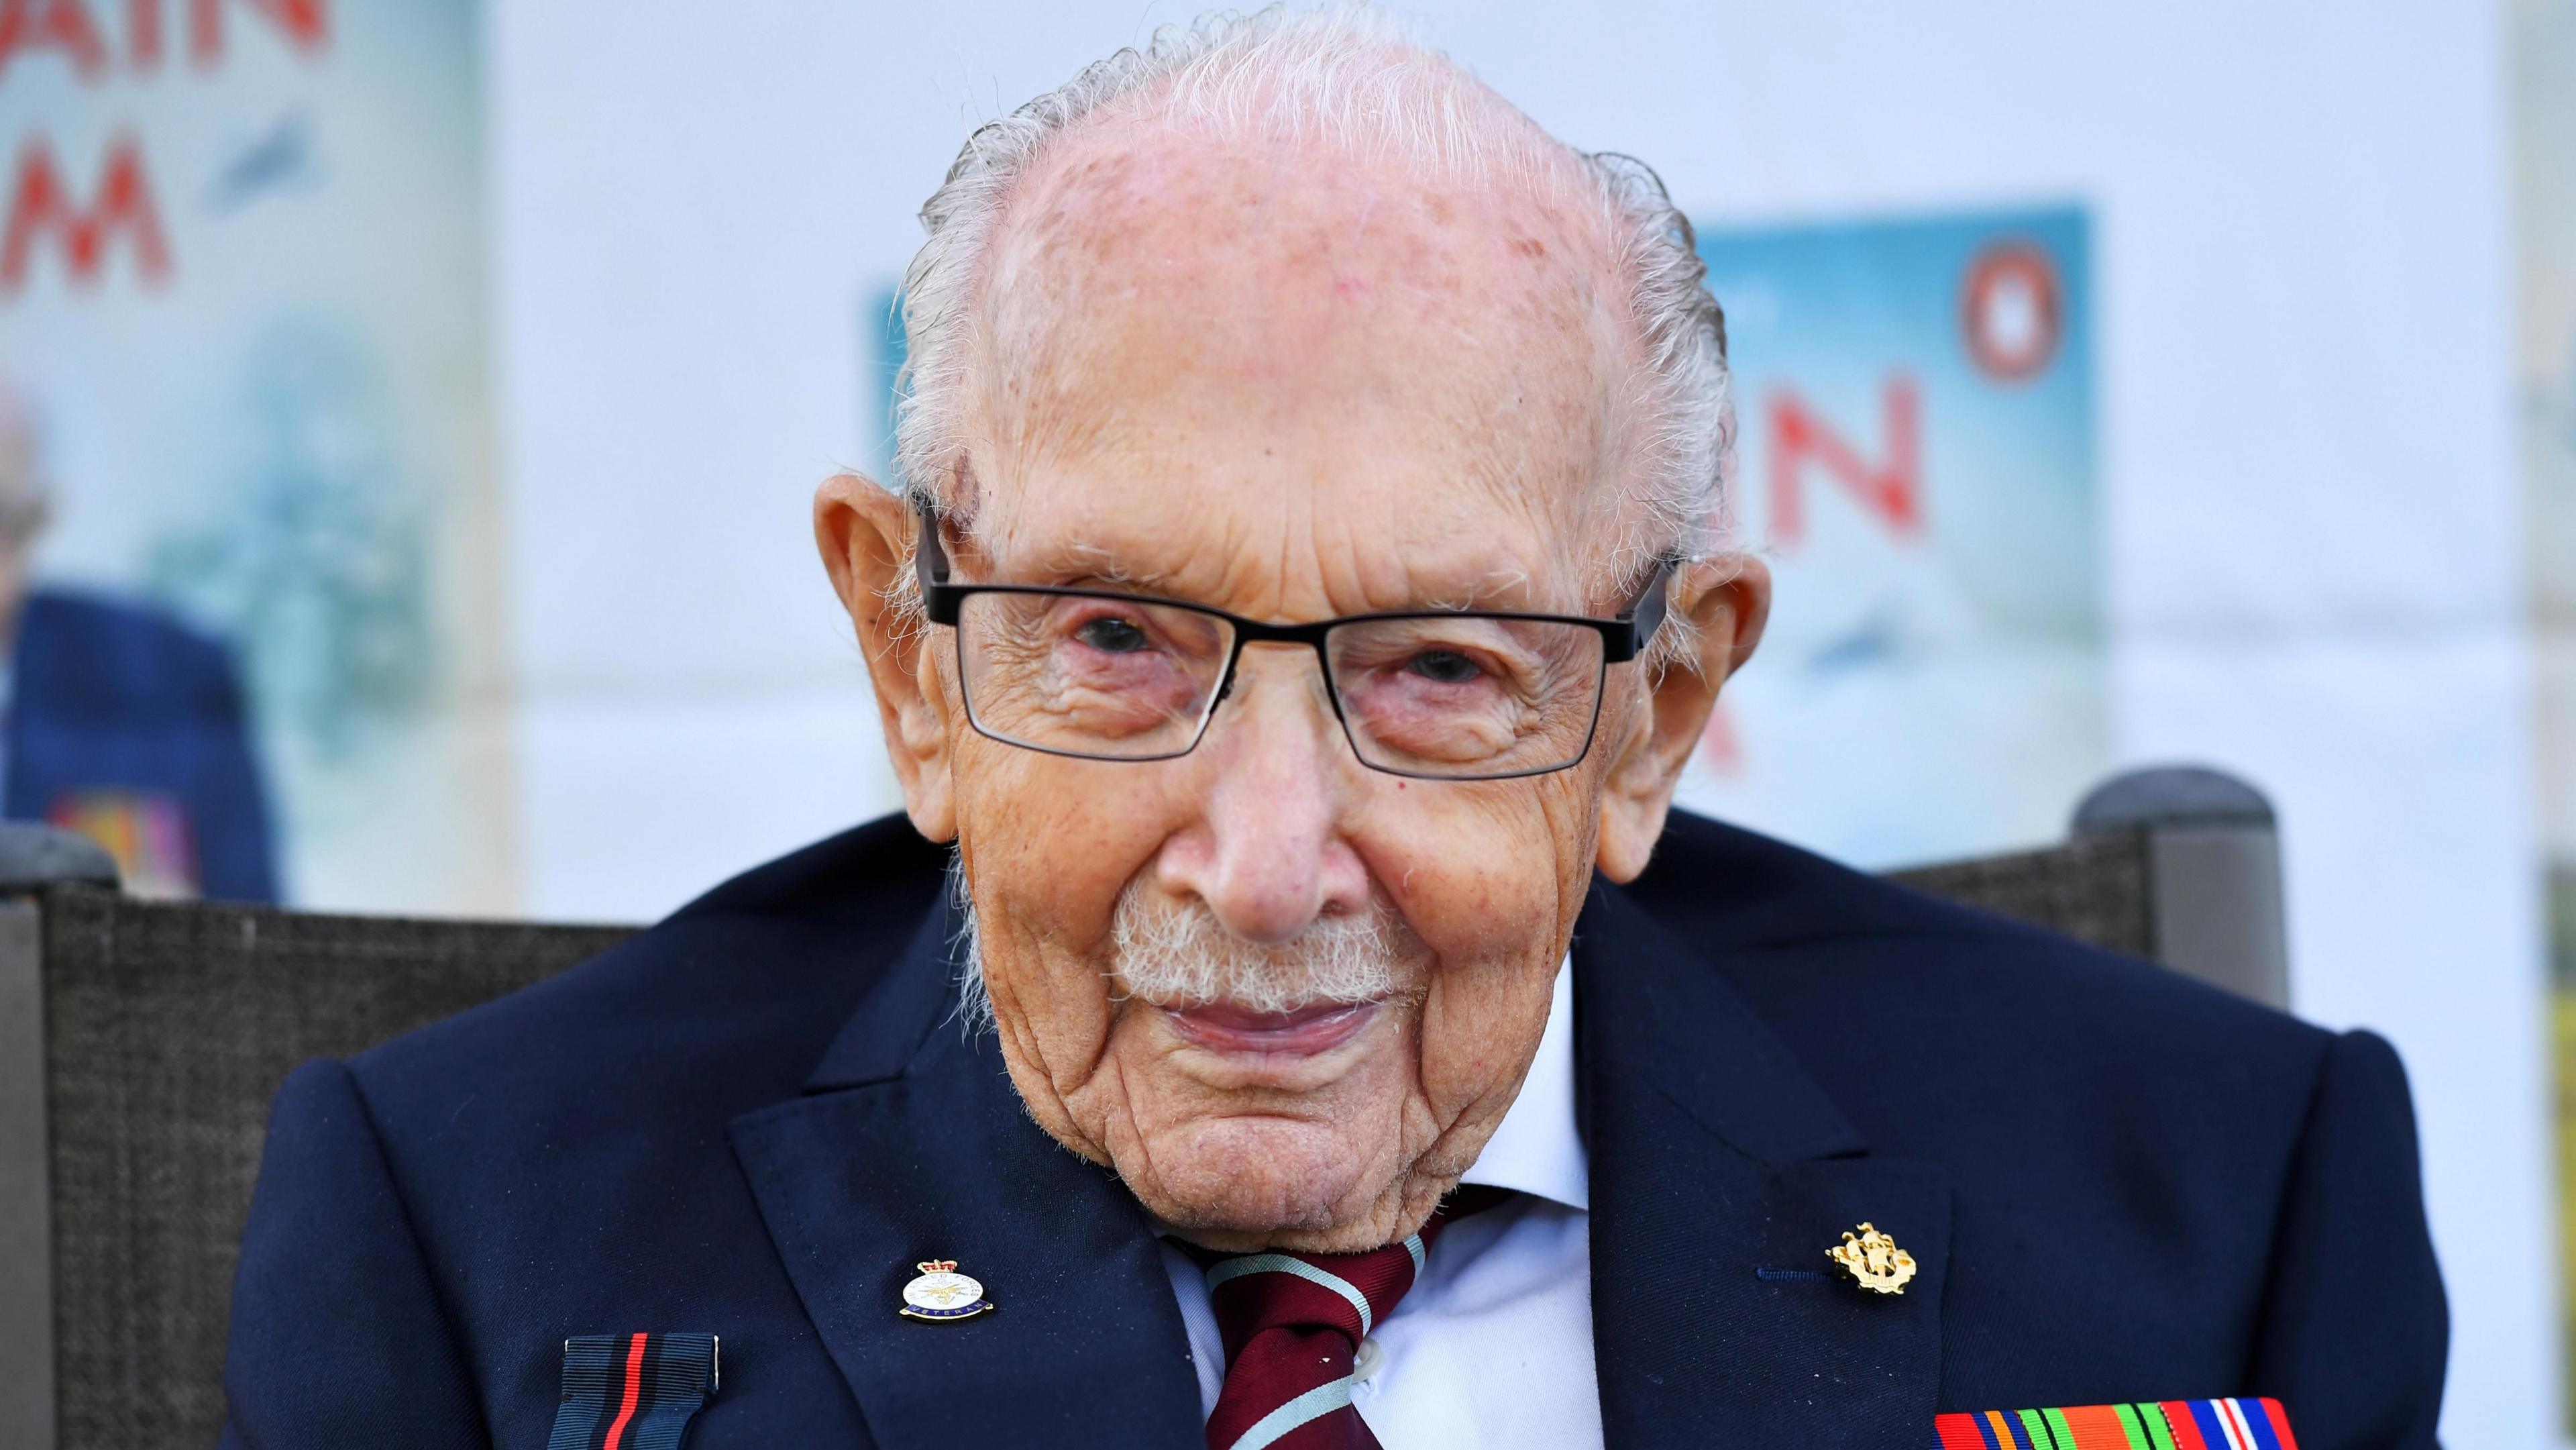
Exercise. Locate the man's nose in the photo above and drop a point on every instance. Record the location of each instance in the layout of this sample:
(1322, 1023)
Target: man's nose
(1266, 851)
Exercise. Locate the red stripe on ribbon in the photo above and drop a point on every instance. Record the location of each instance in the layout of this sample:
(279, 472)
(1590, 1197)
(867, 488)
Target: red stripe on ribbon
(634, 1392)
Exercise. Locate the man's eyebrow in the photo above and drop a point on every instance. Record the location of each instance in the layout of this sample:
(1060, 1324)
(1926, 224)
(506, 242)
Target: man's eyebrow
(1087, 566)
(1492, 586)
(1503, 585)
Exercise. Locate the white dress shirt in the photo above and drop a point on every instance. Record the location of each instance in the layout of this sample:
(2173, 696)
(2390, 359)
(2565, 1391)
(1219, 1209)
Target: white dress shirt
(1492, 1346)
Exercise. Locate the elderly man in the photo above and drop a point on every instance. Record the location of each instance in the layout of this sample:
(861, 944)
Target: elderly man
(1305, 595)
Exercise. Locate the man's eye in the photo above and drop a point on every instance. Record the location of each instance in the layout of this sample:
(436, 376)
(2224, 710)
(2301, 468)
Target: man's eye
(1111, 635)
(1444, 667)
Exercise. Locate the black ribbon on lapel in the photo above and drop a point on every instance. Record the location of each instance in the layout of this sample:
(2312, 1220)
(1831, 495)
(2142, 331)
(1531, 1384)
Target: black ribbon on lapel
(632, 1391)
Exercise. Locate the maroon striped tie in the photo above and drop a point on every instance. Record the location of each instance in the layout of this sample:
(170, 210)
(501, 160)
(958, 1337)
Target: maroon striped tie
(1292, 1324)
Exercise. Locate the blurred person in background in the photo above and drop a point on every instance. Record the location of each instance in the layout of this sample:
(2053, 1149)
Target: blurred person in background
(1291, 1013)
(121, 723)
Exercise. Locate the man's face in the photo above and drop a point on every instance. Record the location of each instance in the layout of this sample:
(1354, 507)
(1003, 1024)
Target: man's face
(1288, 997)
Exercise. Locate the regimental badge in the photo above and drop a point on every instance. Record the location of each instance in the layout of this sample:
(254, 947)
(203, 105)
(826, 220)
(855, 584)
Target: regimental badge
(942, 1294)
(1874, 1260)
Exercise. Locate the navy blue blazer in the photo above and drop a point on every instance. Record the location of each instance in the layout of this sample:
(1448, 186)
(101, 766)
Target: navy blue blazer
(107, 696)
(755, 1118)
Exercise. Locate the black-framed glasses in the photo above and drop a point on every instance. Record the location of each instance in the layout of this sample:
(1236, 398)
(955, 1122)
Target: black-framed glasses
(1464, 694)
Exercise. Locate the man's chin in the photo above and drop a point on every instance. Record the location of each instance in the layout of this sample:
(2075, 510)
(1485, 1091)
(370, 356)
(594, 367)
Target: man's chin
(1247, 1181)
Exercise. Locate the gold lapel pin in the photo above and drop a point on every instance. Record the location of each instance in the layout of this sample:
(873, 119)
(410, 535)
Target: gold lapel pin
(941, 1294)
(1874, 1260)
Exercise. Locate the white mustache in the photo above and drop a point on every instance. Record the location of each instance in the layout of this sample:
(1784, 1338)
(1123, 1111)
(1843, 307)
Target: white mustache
(1181, 955)
(1175, 956)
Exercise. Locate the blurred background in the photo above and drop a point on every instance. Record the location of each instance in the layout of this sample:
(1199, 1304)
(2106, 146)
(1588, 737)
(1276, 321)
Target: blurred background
(408, 412)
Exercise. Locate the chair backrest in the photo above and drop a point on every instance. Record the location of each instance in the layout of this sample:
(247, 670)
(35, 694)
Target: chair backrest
(140, 1043)
(2094, 888)
(166, 1028)
(2176, 864)
(2213, 874)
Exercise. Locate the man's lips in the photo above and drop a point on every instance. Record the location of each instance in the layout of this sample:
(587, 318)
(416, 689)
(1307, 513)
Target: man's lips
(1304, 1032)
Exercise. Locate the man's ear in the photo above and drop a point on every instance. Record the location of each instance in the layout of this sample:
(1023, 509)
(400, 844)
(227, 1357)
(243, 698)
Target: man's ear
(866, 535)
(1725, 603)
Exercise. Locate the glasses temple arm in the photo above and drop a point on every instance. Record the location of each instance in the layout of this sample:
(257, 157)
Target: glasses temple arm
(930, 568)
(1646, 616)
(930, 559)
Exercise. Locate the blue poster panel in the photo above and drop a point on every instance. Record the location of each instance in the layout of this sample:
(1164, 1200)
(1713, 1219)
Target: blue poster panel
(245, 448)
(1915, 461)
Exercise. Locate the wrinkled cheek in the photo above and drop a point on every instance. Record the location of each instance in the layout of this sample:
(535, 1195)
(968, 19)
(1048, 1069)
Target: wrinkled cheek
(1050, 843)
(1482, 873)
(1065, 1022)
(1382, 1101)
(1480, 1029)
(1414, 1122)
(1053, 1017)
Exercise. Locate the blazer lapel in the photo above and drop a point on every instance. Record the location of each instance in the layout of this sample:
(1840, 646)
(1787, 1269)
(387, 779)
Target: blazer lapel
(910, 1144)
(1721, 1174)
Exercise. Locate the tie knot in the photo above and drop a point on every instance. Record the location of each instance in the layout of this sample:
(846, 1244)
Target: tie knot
(1291, 1324)
(1344, 1293)
(1347, 1293)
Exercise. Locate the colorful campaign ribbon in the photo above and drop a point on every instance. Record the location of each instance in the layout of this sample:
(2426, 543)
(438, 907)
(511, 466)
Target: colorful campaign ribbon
(148, 834)
(2165, 1425)
(632, 1391)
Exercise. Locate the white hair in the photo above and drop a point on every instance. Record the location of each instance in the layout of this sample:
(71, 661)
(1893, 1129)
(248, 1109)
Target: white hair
(1343, 76)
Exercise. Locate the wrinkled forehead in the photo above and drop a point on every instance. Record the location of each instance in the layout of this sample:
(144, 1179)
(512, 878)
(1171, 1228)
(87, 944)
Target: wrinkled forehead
(1262, 337)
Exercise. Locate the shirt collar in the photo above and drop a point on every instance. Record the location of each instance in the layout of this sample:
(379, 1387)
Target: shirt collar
(1536, 1149)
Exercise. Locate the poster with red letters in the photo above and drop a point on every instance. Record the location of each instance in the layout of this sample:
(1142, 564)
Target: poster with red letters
(243, 343)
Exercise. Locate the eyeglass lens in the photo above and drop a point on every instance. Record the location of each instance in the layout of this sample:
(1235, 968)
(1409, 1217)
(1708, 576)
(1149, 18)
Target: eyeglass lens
(1459, 696)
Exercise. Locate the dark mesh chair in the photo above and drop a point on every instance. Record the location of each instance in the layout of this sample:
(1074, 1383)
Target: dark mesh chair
(140, 1043)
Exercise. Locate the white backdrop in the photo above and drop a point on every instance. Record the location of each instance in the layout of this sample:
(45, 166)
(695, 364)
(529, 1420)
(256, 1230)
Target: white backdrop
(2301, 222)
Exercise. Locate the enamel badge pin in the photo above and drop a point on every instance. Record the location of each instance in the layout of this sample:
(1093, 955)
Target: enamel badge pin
(942, 1294)
(1873, 1260)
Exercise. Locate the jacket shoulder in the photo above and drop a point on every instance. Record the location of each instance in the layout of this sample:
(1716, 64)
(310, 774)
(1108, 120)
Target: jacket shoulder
(1746, 898)
(1919, 1014)
(724, 1005)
